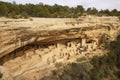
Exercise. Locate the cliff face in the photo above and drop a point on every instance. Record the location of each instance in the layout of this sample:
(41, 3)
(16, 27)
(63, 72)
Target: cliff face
(37, 46)
(17, 33)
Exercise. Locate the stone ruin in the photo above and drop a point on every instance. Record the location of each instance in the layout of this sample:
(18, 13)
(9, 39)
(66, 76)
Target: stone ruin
(38, 51)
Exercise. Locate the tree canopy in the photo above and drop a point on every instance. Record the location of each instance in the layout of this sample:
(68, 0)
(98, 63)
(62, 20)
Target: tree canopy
(14, 10)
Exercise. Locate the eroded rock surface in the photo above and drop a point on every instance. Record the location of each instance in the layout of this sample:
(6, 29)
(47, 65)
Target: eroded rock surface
(5, 74)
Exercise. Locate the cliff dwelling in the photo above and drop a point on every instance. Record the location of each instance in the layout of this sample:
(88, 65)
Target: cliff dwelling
(32, 52)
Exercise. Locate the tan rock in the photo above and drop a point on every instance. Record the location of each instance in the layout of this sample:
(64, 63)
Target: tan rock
(5, 74)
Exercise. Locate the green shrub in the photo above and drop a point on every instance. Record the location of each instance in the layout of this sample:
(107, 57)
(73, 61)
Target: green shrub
(1, 75)
(25, 15)
(58, 64)
(17, 16)
(81, 59)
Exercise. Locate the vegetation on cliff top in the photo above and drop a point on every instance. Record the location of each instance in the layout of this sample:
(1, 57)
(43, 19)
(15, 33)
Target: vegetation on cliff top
(13, 10)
